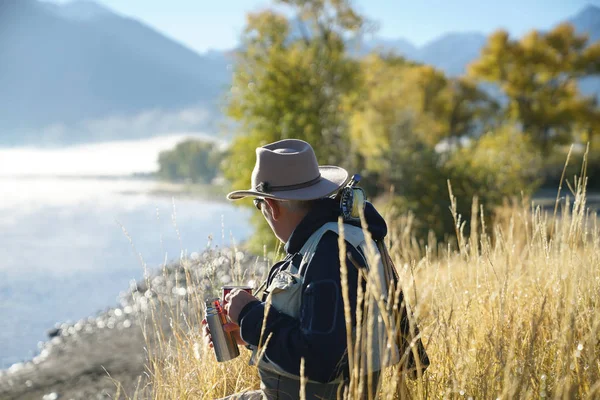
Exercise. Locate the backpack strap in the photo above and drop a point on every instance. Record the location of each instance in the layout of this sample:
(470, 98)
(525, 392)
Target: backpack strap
(310, 246)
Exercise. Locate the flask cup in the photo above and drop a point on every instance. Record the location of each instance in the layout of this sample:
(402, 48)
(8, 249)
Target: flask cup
(228, 288)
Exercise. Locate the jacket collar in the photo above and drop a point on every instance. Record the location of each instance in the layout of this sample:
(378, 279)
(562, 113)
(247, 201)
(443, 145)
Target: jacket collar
(328, 210)
(323, 211)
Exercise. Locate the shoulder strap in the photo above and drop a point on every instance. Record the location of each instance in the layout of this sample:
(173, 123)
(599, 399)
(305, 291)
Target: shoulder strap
(352, 234)
(308, 250)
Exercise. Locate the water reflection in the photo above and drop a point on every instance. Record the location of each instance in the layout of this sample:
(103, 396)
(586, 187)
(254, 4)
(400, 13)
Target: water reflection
(64, 254)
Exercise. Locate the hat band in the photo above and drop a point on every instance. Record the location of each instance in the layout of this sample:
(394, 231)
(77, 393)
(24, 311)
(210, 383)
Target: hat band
(265, 187)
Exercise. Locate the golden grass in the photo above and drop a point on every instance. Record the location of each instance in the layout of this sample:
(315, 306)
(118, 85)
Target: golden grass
(509, 312)
(517, 317)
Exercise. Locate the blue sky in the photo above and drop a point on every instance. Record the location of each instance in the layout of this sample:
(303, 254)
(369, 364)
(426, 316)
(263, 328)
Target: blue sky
(216, 24)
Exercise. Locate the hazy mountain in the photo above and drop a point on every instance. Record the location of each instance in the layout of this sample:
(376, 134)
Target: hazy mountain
(452, 52)
(79, 11)
(79, 72)
(398, 46)
(588, 21)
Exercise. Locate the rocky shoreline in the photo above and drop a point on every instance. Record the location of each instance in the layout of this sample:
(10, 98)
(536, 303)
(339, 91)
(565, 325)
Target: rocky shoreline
(105, 355)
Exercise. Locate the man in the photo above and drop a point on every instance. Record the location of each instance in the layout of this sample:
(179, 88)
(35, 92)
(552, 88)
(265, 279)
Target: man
(301, 315)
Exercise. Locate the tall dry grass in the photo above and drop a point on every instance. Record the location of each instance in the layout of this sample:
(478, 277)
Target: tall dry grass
(510, 311)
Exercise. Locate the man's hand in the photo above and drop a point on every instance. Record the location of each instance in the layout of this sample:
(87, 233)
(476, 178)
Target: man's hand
(237, 299)
(235, 331)
(206, 334)
(229, 327)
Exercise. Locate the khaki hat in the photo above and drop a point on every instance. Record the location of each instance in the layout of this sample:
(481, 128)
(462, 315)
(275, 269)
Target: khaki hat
(288, 170)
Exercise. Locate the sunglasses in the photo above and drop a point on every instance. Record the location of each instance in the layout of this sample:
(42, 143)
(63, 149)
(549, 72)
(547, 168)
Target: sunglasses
(258, 203)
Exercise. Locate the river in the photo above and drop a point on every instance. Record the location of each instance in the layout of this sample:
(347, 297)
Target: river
(75, 229)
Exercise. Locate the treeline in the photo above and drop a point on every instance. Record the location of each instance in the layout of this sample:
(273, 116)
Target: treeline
(408, 127)
(193, 161)
(500, 130)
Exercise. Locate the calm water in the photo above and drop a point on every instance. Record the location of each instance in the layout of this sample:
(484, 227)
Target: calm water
(64, 254)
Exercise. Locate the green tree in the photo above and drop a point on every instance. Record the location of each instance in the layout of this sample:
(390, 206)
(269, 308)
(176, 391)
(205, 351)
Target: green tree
(289, 81)
(191, 160)
(469, 111)
(404, 111)
(498, 165)
(539, 74)
(588, 126)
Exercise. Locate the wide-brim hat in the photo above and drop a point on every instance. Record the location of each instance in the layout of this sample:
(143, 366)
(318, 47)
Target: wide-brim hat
(288, 170)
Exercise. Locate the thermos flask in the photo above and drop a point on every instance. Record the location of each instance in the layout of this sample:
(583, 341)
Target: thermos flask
(224, 343)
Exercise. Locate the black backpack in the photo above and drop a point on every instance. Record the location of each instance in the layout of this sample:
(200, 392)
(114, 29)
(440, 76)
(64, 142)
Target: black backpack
(414, 358)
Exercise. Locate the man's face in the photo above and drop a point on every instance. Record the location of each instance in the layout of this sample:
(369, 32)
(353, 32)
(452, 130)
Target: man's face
(282, 219)
(266, 207)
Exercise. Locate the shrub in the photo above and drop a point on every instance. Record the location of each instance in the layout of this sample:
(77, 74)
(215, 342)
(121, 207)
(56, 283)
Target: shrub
(494, 167)
(192, 160)
(497, 166)
(555, 163)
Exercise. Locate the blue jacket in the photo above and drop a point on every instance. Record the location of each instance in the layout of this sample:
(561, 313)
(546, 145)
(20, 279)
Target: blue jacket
(319, 336)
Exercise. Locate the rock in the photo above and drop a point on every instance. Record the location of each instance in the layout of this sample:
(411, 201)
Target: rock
(76, 360)
(54, 332)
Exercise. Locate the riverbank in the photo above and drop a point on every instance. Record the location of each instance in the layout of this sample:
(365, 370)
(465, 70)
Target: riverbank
(216, 192)
(546, 198)
(543, 197)
(108, 354)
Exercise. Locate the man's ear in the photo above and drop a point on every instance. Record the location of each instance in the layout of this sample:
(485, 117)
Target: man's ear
(274, 209)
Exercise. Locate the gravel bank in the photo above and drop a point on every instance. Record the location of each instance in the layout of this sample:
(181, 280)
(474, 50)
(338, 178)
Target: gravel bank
(88, 359)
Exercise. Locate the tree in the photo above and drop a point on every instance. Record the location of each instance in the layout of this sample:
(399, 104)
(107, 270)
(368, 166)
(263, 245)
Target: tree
(538, 75)
(418, 100)
(193, 160)
(439, 107)
(588, 124)
(499, 164)
(289, 81)
(403, 111)
(469, 110)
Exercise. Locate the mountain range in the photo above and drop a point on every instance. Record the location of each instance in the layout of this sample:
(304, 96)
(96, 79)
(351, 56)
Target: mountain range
(79, 72)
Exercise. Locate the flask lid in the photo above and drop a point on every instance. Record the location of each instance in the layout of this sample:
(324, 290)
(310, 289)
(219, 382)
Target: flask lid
(213, 302)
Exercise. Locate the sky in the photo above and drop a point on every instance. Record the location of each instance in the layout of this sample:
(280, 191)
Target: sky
(217, 24)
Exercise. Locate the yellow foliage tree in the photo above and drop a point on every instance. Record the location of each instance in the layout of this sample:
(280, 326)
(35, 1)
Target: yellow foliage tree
(539, 74)
(417, 100)
(289, 80)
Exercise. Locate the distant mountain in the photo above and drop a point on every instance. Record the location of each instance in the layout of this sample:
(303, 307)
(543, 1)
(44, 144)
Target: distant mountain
(588, 21)
(452, 52)
(83, 10)
(399, 46)
(80, 72)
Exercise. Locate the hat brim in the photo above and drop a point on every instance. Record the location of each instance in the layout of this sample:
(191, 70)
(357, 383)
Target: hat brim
(332, 179)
